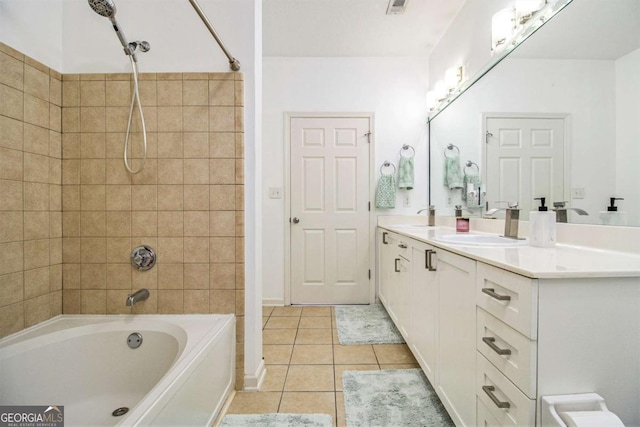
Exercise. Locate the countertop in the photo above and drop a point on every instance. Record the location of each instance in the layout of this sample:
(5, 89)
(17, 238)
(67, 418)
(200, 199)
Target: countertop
(560, 262)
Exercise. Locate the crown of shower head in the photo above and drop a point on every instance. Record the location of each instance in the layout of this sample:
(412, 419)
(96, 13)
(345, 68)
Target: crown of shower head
(106, 8)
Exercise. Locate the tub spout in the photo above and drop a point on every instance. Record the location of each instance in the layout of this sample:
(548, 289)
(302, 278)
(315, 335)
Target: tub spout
(139, 295)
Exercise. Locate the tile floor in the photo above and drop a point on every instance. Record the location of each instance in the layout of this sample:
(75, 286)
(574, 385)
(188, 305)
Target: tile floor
(305, 361)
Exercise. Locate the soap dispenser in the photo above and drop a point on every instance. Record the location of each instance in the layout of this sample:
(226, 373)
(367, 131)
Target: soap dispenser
(542, 231)
(612, 216)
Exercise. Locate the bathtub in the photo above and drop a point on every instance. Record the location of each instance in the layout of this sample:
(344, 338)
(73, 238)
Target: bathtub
(180, 375)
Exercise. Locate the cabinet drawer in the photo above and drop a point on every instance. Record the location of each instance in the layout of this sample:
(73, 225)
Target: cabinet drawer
(485, 418)
(508, 350)
(493, 390)
(510, 297)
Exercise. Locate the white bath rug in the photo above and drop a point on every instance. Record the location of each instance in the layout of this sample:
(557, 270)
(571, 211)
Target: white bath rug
(396, 397)
(366, 324)
(276, 420)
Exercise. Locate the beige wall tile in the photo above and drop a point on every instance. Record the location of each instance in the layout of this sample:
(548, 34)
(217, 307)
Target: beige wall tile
(11, 102)
(93, 224)
(114, 145)
(12, 199)
(196, 197)
(55, 171)
(222, 197)
(150, 119)
(240, 197)
(70, 119)
(11, 133)
(55, 91)
(92, 198)
(197, 248)
(36, 111)
(136, 143)
(55, 144)
(71, 276)
(55, 303)
(196, 223)
(222, 119)
(196, 301)
(11, 226)
(71, 250)
(239, 145)
(36, 139)
(93, 301)
(196, 171)
(144, 197)
(92, 119)
(92, 94)
(36, 225)
(171, 249)
(11, 71)
(36, 196)
(118, 223)
(118, 197)
(222, 145)
(55, 198)
(116, 119)
(169, 92)
(36, 253)
(55, 251)
(36, 168)
(149, 174)
(222, 301)
(11, 288)
(170, 197)
(55, 277)
(170, 171)
(92, 76)
(71, 302)
(195, 118)
(118, 93)
(71, 197)
(222, 223)
(170, 302)
(116, 302)
(94, 249)
(145, 279)
(239, 93)
(222, 171)
(170, 145)
(11, 164)
(71, 171)
(239, 171)
(223, 276)
(36, 282)
(144, 223)
(55, 118)
(71, 223)
(170, 223)
(196, 145)
(195, 92)
(92, 145)
(169, 119)
(119, 277)
(92, 171)
(55, 224)
(221, 92)
(118, 250)
(11, 319)
(222, 249)
(196, 276)
(116, 173)
(36, 83)
(70, 93)
(170, 276)
(148, 92)
(71, 148)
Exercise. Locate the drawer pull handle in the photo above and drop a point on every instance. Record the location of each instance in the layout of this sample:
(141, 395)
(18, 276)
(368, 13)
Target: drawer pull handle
(430, 266)
(397, 269)
(384, 237)
(402, 246)
(492, 293)
(490, 341)
(489, 389)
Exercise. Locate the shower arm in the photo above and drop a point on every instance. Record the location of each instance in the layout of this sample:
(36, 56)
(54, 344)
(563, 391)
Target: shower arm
(234, 64)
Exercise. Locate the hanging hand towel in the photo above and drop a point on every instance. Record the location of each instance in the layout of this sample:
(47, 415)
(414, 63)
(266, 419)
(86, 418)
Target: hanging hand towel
(452, 172)
(386, 193)
(475, 180)
(405, 173)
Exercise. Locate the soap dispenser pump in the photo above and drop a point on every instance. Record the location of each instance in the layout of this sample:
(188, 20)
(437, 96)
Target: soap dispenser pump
(542, 231)
(612, 216)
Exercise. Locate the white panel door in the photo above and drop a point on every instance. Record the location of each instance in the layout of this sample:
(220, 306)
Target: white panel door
(525, 160)
(330, 210)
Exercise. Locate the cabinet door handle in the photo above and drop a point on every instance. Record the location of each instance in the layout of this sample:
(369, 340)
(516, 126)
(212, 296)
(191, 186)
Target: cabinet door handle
(489, 389)
(491, 342)
(430, 266)
(384, 238)
(397, 268)
(492, 293)
(426, 259)
(402, 246)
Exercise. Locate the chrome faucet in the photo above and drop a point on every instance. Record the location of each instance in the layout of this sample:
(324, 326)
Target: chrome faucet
(512, 215)
(432, 214)
(139, 295)
(561, 211)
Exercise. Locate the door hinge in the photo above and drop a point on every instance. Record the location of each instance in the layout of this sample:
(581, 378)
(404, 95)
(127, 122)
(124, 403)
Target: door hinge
(368, 134)
(369, 274)
(487, 136)
(369, 206)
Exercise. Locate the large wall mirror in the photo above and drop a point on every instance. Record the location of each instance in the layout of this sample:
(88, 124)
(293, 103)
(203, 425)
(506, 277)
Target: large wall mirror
(558, 118)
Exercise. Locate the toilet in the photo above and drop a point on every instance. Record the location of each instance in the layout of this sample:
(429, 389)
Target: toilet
(577, 410)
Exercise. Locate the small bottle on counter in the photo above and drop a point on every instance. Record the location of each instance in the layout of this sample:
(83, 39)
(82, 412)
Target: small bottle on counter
(462, 224)
(432, 215)
(542, 232)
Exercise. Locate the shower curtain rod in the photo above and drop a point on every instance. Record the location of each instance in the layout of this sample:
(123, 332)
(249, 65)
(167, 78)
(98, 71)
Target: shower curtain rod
(234, 64)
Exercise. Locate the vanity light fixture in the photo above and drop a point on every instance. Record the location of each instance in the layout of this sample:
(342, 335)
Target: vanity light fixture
(431, 100)
(453, 77)
(525, 9)
(502, 28)
(440, 90)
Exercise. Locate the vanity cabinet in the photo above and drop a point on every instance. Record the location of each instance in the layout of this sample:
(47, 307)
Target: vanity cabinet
(395, 279)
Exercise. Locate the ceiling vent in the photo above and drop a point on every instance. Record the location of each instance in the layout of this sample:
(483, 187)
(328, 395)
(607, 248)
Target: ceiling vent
(396, 7)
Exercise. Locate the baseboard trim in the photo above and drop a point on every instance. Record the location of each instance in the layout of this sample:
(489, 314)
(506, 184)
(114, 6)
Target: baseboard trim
(273, 301)
(254, 382)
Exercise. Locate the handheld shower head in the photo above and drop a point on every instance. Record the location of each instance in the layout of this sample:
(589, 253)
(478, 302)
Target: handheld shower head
(106, 8)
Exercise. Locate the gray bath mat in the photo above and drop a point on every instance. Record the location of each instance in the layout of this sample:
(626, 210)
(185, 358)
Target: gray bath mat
(366, 324)
(276, 420)
(398, 398)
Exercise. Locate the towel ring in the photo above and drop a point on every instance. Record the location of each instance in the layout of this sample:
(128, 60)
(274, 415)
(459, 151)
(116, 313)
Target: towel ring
(469, 164)
(451, 147)
(386, 164)
(406, 148)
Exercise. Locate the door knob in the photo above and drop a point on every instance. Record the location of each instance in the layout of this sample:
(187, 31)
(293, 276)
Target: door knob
(296, 220)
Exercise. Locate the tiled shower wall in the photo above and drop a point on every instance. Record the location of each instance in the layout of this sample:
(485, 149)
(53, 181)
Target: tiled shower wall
(30, 201)
(70, 213)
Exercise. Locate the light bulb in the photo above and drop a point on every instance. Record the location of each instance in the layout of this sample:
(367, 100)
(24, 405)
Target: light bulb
(431, 100)
(501, 27)
(440, 90)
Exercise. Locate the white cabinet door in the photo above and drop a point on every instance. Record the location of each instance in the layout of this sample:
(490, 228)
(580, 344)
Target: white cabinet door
(391, 269)
(455, 378)
(403, 305)
(385, 266)
(424, 310)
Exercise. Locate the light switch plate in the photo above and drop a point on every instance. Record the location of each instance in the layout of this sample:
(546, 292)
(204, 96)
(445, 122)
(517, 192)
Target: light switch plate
(275, 192)
(577, 193)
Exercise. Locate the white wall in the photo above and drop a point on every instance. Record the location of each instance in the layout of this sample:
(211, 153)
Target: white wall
(34, 27)
(392, 88)
(68, 36)
(585, 89)
(628, 134)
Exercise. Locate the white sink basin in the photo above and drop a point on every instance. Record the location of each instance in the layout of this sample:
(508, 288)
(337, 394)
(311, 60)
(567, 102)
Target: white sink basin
(413, 226)
(479, 240)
